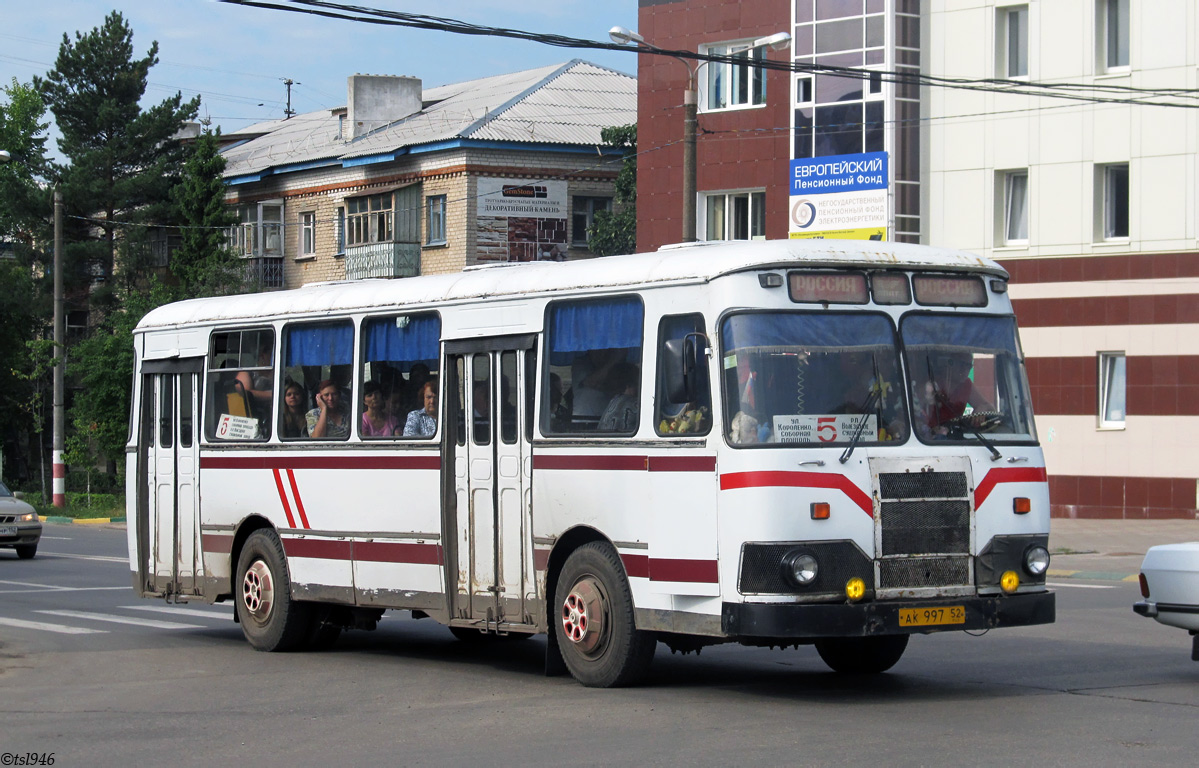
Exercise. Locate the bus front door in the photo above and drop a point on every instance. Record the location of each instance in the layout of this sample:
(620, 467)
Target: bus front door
(168, 515)
(489, 511)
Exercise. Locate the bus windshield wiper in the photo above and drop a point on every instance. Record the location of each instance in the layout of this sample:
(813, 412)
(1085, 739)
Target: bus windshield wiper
(995, 454)
(876, 391)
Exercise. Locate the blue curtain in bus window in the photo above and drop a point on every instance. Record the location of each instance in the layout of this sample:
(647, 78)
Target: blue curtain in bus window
(824, 330)
(995, 335)
(614, 324)
(404, 339)
(320, 344)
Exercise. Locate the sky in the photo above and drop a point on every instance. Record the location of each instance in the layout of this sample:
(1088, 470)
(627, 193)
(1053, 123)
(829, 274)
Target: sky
(236, 57)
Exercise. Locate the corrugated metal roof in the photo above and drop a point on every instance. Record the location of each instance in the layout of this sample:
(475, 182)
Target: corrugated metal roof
(561, 104)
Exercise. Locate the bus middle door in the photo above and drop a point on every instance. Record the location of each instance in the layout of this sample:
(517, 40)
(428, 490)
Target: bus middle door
(488, 517)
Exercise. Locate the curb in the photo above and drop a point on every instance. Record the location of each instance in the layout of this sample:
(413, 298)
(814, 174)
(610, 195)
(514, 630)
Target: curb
(83, 521)
(1093, 575)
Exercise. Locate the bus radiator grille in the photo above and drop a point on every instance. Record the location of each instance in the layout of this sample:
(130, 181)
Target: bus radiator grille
(916, 572)
(922, 485)
(925, 527)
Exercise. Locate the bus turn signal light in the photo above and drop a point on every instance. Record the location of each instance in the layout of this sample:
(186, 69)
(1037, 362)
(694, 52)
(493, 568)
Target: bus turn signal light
(1009, 581)
(855, 589)
(1021, 505)
(820, 510)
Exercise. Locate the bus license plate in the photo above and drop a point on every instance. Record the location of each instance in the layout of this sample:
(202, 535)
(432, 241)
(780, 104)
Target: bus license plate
(924, 617)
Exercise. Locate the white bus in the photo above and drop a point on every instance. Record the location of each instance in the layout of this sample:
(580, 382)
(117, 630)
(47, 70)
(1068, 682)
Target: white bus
(770, 443)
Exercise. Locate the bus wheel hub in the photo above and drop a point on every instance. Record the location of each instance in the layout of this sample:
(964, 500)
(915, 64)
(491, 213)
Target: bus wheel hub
(583, 615)
(258, 590)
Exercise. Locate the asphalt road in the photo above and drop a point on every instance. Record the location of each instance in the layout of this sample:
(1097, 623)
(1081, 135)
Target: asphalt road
(101, 678)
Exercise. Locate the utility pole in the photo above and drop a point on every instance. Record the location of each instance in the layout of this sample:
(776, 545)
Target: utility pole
(59, 487)
(289, 112)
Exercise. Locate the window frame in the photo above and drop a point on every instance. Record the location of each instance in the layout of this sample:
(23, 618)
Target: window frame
(589, 203)
(1115, 37)
(435, 219)
(755, 214)
(368, 223)
(1111, 365)
(1009, 177)
(307, 239)
(717, 72)
(1009, 64)
(212, 373)
(1109, 201)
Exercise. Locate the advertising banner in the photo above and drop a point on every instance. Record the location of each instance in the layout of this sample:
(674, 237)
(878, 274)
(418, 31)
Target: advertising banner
(522, 220)
(842, 196)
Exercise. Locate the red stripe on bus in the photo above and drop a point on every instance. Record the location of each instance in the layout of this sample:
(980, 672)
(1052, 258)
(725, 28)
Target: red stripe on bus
(295, 493)
(636, 566)
(320, 549)
(694, 571)
(682, 463)
(291, 523)
(787, 479)
(635, 463)
(216, 543)
(1007, 475)
(291, 461)
(397, 552)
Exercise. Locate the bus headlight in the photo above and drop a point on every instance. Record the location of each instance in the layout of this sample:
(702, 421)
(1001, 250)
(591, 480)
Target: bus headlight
(800, 568)
(1036, 560)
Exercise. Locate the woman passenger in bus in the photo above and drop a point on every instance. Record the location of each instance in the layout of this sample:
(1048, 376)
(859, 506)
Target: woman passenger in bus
(423, 421)
(328, 420)
(294, 423)
(623, 410)
(376, 421)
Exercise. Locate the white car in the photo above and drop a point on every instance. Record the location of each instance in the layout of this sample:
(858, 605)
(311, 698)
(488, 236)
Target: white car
(1170, 585)
(19, 526)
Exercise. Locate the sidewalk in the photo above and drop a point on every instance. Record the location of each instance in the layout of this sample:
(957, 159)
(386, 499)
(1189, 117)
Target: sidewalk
(1110, 550)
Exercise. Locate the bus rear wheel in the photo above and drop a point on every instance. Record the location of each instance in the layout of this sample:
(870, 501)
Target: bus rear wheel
(594, 624)
(270, 619)
(862, 655)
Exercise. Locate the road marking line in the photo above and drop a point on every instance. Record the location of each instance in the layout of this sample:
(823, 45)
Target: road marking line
(213, 614)
(60, 589)
(56, 538)
(60, 628)
(1080, 586)
(101, 558)
(123, 620)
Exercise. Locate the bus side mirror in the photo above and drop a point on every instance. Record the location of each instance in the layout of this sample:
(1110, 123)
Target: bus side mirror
(683, 367)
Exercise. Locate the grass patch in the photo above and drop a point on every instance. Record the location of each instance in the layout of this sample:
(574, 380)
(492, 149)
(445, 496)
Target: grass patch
(80, 507)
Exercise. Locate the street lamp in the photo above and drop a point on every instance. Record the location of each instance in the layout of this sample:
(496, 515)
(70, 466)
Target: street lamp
(59, 468)
(625, 36)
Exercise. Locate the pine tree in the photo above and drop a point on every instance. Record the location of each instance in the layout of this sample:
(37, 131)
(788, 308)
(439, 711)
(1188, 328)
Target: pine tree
(204, 264)
(123, 159)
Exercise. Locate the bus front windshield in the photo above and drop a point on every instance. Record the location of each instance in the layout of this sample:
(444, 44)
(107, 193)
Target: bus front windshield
(966, 377)
(817, 379)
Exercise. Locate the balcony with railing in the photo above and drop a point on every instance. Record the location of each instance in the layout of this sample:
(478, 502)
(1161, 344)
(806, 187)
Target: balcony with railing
(264, 273)
(382, 260)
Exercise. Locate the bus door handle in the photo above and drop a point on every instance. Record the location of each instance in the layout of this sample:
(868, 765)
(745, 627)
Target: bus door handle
(812, 463)
(1014, 459)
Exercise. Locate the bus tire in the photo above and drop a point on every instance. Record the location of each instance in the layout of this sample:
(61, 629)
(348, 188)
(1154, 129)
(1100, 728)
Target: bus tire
(270, 619)
(862, 655)
(593, 621)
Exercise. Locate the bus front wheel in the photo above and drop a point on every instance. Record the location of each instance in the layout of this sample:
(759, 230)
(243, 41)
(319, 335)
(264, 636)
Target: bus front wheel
(862, 655)
(596, 634)
(270, 619)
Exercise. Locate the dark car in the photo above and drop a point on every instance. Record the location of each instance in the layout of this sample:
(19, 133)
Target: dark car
(19, 526)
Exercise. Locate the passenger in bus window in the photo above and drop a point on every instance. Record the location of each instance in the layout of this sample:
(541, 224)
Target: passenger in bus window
(295, 422)
(423, 421)
(259, 384)
(948, 392)
(328, 420)
(588, 381)
(623, 410)
(376, 422)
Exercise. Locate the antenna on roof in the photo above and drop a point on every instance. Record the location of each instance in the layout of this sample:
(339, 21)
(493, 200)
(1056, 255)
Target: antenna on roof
(289, 112)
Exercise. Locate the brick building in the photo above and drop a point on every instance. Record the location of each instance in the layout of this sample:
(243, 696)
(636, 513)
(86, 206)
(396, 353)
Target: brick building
(1090, 202)
(405, 181)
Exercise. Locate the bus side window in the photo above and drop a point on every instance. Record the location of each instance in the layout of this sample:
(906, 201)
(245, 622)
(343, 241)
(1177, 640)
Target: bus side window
(319, 357)
(686, 417)
(399, 356)
(241, 385)
(588, 340)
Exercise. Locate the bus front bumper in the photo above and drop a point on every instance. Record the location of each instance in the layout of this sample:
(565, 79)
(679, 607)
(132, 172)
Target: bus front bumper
(887, 617)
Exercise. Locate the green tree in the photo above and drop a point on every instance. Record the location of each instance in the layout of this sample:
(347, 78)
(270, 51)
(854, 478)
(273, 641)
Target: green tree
(123, 159)
(204, 264)
(615, 232)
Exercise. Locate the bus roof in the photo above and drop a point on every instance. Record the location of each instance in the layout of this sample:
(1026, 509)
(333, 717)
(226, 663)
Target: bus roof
(684, 263)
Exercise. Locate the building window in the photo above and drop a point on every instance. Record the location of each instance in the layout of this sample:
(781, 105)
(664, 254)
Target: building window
(1115, 202)
(259, 231)
(730, 85)
(1115, 15)
(340, 224)
(582, 216)
(1013, 27)
(1015, 208)
(1112, 387)
(735, 216)
(368, 219)
(307, 234)
(435, 220)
